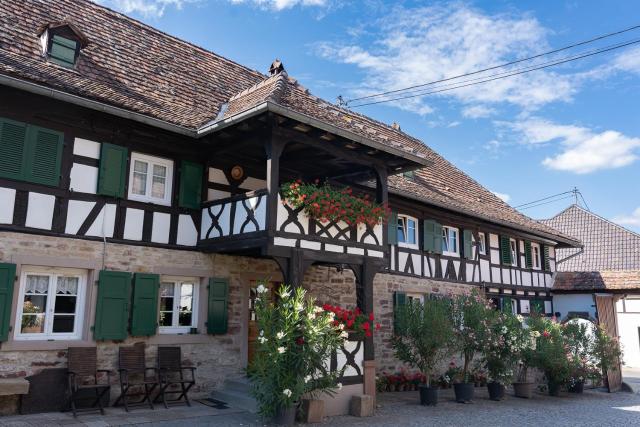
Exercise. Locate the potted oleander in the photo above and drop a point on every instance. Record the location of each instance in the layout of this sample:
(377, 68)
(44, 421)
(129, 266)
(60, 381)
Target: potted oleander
(471, 315)
(606, 353)
(296, 339)
(552, 354)
(579, 336)
(423, 332)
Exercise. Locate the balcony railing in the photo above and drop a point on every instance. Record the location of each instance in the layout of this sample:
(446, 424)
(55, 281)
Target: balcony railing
(295, 229)
(350, 357)
(234, 216)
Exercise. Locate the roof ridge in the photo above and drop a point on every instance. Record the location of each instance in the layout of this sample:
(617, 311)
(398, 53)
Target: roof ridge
(607, 221)
(170, 36)
(558, 214)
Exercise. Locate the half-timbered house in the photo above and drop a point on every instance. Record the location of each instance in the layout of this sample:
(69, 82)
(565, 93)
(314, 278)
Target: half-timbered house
(140, 202)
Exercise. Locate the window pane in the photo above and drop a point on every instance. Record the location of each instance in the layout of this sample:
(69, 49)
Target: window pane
(166, 303)
(166, 318)
(453, 240)
(67, 285)
(411, 231)
(184, 318)
(157, 189)
(186, 304)
(139, 178)
(401, 234)
(166, 289)
(37, 284)
(32, 324)
(160, 171)
(65, 304)
(445, 239)
(63, 324)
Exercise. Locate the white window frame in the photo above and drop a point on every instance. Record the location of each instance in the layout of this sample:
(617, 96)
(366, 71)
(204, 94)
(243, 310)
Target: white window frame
(177, 282)
(514, 306)
(482, 246)
(536, 259)
(168, 184)
(411, 297)
(513, 247)
(446, 230)
(406, 219)
(525, 306)
(53, 273)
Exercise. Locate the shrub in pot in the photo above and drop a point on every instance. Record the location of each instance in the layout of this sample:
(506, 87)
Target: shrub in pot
(579, 337)
(525, 349)
(606, 353)
(422, 336)
(552, 354)
(471, 316)
(296, 338)
(505, 344)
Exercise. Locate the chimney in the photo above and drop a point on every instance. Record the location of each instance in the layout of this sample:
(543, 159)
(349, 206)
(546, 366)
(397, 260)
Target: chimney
(395, 126)
(276, 67)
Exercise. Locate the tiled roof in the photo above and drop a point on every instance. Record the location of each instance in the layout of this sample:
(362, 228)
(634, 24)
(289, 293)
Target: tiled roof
(444, 185)
(602, 281)
(135, 67)
(607, 246)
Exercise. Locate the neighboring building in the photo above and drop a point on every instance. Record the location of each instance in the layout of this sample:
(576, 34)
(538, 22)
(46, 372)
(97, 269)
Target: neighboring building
(607, 265)
(139, 202)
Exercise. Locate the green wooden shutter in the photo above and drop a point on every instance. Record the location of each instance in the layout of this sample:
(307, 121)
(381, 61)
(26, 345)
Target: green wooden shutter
(392, 229)
(506, 304)
(45, 156)
(113, 170)
(13, 136)
(144, 313)
(505, 250)
(217, 317)
(527, 254)
(112, 307)
(546, 265)
(191, 175)
(7, 279)
(63, 51)
(399, 300)
(467, 242)
(432, 239)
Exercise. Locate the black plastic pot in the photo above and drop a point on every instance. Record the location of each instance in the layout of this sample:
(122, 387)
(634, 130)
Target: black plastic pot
(463, 392)
(285, 416)
(496, 391)
(428, 395)
(577, 387)
(554, 389)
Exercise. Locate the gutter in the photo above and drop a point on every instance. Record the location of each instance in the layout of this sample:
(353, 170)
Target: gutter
(207, 128)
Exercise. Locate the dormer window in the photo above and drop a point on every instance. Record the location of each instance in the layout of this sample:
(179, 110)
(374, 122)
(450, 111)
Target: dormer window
(61, 43)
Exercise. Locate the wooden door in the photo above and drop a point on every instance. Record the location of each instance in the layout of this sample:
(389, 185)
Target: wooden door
(253, 324)
(606, 307)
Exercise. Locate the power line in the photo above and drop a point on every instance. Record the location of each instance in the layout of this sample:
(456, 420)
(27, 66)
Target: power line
(501, 65)
(546, 203)
(544, 198)
(509, 74)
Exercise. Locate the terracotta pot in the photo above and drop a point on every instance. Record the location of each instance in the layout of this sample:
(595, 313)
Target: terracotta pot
(463, 392)
(524, 390)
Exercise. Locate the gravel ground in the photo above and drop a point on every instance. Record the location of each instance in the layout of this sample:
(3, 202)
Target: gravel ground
(593, 408)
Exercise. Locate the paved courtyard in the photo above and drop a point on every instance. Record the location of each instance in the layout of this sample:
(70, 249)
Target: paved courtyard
(593, 408)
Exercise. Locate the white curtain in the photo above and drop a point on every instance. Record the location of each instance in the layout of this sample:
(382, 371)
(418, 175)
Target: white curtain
(67, 285)
(37, 284)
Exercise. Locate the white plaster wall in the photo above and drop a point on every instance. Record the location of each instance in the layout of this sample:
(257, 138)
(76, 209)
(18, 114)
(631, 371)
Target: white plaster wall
(133, 224)
(160, 227)
(565, 303)
(628, 324)
(187, 232)
(7, 202)
(40, 211)
(76, 214)
(105, 222)
(86, 148)
(83, 178)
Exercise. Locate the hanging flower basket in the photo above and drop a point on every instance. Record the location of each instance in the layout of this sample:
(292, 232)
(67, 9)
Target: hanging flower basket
(354, 321)
(325, 203)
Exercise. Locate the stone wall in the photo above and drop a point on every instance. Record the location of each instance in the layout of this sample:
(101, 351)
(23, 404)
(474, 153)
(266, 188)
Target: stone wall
(216, 357)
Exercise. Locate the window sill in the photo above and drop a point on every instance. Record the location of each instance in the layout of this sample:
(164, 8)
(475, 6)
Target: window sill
(455, 254)
(34, 345)
(165, 338)
(408, 245)
(141, 199)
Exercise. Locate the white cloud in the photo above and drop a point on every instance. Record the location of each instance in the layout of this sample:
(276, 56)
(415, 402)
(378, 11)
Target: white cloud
(583, 150)
(414, 46)
(632, 220)
(453, 124)
(477, 111)
(148, 8)
(283, 4)
(504, 197)
(628, 60)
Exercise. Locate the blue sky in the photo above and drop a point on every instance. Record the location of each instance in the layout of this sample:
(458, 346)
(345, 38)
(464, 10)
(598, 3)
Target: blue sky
(525, 137)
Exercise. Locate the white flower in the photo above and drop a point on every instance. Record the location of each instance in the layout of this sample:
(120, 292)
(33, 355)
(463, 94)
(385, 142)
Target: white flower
(261, 333)
(535, 334)
(262, 340)
(286, 392)
(311, 316)
(280, 335)
(344, 334)
(341, 326)
(298, 307)
(261, 289)
(339, 386)
(520, 318)
(285, 294)
(307, 378)
(317, 309)
(281, 350)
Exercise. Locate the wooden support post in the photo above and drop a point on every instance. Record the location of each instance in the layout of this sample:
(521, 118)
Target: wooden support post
(364, 277)
(273, 148)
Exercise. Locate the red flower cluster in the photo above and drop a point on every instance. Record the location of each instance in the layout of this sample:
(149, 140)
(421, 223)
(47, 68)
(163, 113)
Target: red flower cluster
(325, 203)
(353, 320)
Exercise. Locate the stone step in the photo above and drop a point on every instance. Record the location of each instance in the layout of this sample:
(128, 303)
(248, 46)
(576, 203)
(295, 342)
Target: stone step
(236, 399)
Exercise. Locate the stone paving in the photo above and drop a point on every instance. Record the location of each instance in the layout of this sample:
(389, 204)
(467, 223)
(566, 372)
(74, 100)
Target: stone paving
(593, 408)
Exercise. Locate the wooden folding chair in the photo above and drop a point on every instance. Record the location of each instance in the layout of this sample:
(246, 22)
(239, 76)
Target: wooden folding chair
(82, 366)
(172, 373)
(134, 378)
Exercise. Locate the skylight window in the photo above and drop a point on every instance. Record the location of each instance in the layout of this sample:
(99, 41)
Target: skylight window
(61, 43)
(62, 51)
